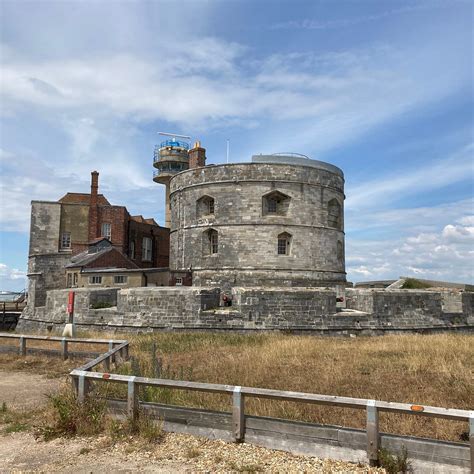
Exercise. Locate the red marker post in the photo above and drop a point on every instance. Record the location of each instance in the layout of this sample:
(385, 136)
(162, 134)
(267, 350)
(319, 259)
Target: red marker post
(70, 306)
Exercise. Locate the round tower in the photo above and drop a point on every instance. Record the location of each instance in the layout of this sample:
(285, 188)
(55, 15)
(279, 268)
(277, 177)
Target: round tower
(170, 157)
(277, 221)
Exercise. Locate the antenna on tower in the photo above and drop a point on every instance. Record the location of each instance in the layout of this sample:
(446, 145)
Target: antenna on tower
(174, 135)
(228, 147)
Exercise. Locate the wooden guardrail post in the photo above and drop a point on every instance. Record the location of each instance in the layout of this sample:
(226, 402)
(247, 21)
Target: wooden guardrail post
(132, 399)
(22, 346)
(83, 388)
(373, 436)
(111, 346)
(64, 350)
(107, 364)
(471, 438)
(238, 414)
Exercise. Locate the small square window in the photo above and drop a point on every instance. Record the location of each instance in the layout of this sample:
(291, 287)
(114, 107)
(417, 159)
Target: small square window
(120, 279)
(106, 230)
(179, 281)
(66, 240)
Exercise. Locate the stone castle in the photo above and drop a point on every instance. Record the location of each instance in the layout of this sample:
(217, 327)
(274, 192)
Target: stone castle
(252, 246)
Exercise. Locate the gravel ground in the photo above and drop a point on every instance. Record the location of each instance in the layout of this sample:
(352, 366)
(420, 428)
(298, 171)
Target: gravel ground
(177, 453)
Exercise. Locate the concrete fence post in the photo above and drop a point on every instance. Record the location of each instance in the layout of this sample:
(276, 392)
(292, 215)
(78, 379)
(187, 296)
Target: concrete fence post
(132, 399)
(22, 346)
(373, 436)
(64, 350)
(238, 414)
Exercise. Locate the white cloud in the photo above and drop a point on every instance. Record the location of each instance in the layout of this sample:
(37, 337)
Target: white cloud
(12, 279)
(447, 254)
(409, 181)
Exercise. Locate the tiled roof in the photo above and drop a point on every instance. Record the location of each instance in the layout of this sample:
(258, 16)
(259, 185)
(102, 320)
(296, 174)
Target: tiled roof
(141, 220)
(83, 198)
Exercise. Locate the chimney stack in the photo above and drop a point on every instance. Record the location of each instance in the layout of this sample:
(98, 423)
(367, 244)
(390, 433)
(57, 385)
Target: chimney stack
(197, 156)
(93, 207)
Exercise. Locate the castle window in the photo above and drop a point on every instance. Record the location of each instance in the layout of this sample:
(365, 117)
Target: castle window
(95, 280)
(66, 240)
(120, 279)
(275, 203)
(205, 206)
(210, 242)
(283, 246)
(334, 214)
(146, 249)
(106, 230)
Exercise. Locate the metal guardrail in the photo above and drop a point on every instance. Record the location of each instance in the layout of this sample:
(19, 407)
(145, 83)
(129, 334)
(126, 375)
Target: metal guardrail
(83, 377)
(174, 143)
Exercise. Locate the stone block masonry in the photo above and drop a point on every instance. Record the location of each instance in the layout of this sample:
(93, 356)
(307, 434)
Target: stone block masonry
(297, 310)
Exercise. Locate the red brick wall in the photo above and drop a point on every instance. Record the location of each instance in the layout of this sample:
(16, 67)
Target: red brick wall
(197, 157)
(117, 217)
(160, 247)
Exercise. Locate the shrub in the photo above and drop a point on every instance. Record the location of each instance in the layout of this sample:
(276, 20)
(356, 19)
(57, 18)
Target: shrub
(414, 284)
(101, 305)
(68, 417)
(394, 463)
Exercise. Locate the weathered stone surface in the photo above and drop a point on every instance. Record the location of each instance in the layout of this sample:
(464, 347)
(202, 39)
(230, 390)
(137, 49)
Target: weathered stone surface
(310, 310)
(248, 235)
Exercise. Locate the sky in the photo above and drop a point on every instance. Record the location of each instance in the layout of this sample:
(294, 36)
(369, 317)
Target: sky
(382, 89)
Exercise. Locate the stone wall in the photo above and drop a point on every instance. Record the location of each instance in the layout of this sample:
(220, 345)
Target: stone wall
(299, 310)
(44, 227)
(248, 235)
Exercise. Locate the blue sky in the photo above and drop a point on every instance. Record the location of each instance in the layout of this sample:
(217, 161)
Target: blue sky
(382, 89)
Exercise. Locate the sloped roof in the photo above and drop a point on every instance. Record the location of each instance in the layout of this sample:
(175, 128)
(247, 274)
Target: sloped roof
(141, 220)
(83, 198)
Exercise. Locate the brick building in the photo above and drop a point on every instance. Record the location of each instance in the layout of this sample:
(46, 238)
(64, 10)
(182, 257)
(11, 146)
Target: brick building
(64, 228)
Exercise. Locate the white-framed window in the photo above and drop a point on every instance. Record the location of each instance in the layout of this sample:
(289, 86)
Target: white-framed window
(74, 279)
(146, 249)
(132, 250)
(283, 246)
(69, 280)
(95, 280)
(179, 282)
(120, 279)
(106, 230)
(66, 240)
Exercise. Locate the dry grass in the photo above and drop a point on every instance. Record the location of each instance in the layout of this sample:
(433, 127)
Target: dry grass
(422, 369)
(51, 367)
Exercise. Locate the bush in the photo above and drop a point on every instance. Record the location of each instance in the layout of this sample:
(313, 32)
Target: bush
(101, 305)
(414, 284)
(394, 463)
(68, 417)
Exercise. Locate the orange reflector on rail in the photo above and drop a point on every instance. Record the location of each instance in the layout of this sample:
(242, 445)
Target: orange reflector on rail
(106, 376)
(417, 408)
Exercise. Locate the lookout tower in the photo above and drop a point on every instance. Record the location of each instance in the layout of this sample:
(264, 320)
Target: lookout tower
(170, 157)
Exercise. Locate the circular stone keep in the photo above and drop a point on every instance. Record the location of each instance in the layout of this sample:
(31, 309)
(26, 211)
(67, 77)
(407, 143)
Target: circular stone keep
(277, 221)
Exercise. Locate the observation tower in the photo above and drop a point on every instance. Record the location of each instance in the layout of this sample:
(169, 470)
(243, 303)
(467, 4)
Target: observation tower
(170, 157)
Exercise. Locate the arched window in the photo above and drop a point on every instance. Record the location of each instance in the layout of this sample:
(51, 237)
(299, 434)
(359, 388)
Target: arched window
(275, 203)
(334, 214)
(210, 242)
(284, 243)
(205, 206)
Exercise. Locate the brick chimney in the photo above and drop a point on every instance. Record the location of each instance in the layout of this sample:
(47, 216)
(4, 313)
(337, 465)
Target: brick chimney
(197, 156)
(93, 207)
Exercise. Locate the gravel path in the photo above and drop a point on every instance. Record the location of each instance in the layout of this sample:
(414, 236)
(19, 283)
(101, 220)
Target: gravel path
(177, 453)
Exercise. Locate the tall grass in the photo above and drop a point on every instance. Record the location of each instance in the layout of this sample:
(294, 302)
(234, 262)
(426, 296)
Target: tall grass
(422, 369)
